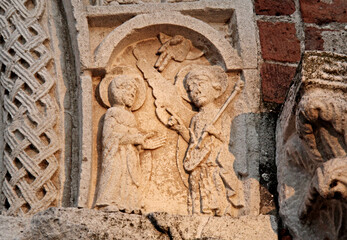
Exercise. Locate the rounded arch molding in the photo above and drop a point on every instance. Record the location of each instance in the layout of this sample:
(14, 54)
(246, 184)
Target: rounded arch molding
(202, 35)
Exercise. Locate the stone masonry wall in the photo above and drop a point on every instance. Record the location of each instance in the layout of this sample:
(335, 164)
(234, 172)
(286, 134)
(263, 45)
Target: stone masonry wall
(289, 27)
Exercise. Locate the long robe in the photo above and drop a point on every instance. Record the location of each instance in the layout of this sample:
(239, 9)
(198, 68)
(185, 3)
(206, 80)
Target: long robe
(120, 174)
(214, 188)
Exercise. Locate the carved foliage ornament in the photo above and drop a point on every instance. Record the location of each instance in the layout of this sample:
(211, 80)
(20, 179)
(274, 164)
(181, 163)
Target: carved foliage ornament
(29, 110)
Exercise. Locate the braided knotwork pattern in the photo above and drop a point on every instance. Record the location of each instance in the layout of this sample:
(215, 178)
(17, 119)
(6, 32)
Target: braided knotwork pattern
(30, 112)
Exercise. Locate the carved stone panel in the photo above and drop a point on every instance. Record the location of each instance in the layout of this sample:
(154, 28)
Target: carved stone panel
(167, 99)
(311, 149)
(166, 134)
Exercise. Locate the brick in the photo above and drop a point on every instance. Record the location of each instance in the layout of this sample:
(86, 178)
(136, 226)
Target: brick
(313, 39)
(322, 12)
(274, 7)
(278, 41)
(275, 82)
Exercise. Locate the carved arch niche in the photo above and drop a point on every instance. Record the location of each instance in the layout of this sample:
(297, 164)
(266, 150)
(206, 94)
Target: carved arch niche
(159, 49)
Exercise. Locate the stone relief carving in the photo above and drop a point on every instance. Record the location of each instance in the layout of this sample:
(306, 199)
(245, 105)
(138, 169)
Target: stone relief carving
(174, 59)
(31, 144)
(312, 150)
(191, 100)
(213, 188)
(123, 176)
(177, 48)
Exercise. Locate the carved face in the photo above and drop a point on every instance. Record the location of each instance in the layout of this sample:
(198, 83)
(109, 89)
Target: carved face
(201, 90)
(123, 92)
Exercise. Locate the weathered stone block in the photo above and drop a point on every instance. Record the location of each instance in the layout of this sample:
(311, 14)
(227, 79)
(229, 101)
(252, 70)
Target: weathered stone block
(145, 72)
(335, 41)
(70, 223)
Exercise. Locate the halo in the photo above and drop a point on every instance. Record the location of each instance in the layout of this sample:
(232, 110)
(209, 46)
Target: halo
(123, 70)
(180, 80)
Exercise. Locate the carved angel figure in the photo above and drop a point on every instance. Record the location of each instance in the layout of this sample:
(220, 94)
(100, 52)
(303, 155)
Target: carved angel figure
(120, 181)
(213, 188)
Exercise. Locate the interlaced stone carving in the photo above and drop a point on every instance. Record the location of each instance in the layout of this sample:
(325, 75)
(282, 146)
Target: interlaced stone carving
(31, 144)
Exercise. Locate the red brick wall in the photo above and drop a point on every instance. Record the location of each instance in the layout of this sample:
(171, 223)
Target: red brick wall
(289, 27)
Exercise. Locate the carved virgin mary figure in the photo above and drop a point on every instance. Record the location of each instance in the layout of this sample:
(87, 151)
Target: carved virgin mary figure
(120, 182)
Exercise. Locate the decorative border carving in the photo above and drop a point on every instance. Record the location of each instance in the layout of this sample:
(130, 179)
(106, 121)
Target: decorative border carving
(30, 113)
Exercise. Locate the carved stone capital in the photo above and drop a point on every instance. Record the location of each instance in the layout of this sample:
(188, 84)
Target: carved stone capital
(312, 147)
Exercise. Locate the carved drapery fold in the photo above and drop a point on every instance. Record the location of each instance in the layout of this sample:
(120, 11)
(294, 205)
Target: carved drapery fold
(31, 144)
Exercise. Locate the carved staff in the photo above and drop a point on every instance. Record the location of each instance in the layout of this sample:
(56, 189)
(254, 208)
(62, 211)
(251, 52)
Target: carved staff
(238, 87)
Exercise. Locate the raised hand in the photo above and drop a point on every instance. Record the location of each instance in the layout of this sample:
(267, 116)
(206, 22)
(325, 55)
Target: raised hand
(154, 142)
(176, 48)
(174, 122)
(211, 130)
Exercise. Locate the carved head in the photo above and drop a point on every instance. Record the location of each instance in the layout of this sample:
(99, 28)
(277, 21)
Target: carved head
(122, 91)
(205, 84)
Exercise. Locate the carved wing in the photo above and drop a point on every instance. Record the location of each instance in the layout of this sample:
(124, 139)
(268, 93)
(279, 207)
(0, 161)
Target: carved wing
(165, 94)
